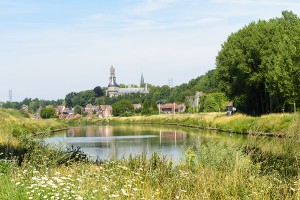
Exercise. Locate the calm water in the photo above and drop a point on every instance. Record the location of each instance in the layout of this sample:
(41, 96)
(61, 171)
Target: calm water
(122, 140)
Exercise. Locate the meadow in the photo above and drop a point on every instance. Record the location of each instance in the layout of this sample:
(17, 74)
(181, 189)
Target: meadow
(259, 168)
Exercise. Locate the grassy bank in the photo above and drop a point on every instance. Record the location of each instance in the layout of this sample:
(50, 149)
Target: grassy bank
(273, 124)
(213, 171)
(17, 129)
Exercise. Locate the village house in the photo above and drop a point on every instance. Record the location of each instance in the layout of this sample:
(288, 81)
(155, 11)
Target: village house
(105, 111)
(89, 108)
(171, 108)
(229, 108)
(66, 113)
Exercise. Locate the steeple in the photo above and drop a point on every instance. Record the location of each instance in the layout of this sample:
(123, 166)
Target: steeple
(112, 78)
(142, 81)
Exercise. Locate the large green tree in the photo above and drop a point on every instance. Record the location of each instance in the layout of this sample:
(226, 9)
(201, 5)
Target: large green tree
(258, 66)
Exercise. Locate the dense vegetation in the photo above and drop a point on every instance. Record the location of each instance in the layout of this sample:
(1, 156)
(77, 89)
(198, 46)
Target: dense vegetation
(259, 65)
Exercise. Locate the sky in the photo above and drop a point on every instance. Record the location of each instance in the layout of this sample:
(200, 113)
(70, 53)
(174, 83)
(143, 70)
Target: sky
(51, 48)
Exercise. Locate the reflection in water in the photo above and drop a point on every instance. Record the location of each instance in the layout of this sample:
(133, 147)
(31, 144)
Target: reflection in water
(105, 142)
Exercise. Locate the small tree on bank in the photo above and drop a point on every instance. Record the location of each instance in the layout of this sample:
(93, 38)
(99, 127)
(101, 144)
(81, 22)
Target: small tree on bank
(48, 112)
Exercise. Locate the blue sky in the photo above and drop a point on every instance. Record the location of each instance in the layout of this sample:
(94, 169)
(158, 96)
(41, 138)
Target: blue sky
(51, 48)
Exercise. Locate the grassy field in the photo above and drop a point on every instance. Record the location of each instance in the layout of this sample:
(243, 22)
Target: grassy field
(260, 168)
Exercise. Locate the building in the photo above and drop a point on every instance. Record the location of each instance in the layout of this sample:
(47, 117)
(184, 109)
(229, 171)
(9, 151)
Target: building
(171, 108)
(194, 101)
(229, 108)
(114, 89)
(105, 111)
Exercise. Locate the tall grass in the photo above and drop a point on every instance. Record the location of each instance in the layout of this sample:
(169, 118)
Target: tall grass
(212, 171)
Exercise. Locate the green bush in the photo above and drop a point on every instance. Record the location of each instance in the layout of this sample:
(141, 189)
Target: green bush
(48, 112)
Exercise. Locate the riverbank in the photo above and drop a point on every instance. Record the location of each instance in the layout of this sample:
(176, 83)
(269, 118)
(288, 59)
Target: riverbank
(261, 168)
(17, 125)
(269, 125)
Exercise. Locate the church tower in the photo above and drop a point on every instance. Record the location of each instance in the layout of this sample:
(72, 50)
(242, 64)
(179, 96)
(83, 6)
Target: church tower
(142, 81)
(112, 77)
(113, 87)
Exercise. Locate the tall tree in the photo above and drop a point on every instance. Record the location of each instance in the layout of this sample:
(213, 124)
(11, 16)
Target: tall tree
(258, 65)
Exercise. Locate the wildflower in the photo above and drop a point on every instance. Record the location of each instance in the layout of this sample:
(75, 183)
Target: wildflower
(124, 192)
(18, 183)
(94, 191)
(30, 197)
(79, 180)
(45, 197)
(79, 198)
(114, 196)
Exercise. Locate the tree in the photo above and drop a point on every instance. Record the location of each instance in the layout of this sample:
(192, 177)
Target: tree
(83, 98)
(122, 108)
(78, 110)
(258, 66)
(48, 112)
(68, 99)
(34, 106)
(98, 91)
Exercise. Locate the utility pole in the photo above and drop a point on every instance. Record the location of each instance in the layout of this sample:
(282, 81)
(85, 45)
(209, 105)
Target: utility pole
(10, 95)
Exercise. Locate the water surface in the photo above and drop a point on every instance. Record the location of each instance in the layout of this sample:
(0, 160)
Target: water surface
(107, 141)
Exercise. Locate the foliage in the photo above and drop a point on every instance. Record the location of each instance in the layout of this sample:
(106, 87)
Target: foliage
(77, 110)
(48, 112)
(122, 107)
(33, 104)
(213, 102)
(258, 66)
(69, 99)
(83, 98)
(98, 91)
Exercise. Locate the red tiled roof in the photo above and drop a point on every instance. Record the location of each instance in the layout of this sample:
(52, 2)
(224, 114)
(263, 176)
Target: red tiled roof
(230, 103)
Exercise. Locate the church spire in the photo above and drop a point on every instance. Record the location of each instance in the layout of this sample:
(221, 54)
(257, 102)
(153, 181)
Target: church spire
(142, 81)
